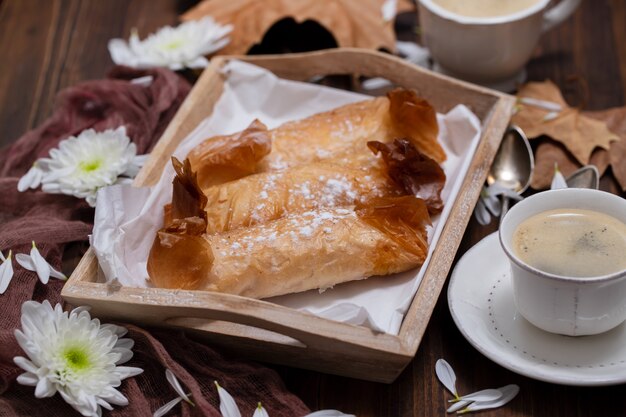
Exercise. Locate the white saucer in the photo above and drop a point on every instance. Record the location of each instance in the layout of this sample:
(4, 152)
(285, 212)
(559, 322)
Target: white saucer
(480, 298)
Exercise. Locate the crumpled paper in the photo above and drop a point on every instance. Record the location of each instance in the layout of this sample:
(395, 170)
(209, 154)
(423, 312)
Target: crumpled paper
(127, 218)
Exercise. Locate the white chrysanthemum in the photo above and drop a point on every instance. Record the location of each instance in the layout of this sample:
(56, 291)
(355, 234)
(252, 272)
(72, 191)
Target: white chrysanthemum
(81, 165)
(74, 355)
(176, 48)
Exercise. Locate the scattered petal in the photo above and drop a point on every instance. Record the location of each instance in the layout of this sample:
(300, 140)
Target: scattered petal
(446, 376)
(6, 272)
(389, 10)
(144, 81)
(550, 116)
(508, 393)
(42, 268)
(329, 413)
(481, 213)
(171, 378)
(558, 181)
(228, 407)
(542, 104)
(483, 395)
(260, 411)
(375, 83)
(414, 53)
(458, 405)
(167, 407)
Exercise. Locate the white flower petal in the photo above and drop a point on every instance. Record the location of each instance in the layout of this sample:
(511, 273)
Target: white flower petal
(481, 213)
(31, 179)
(42, 268)
(200, 62)
(375, 83)
(128, 371)
(2, 258)
(558, 181)
(171, 378)
(25, 261)
(389, 9)
(446, 375)
(260, 411)
(542, 104)
(228, 407)
(121, 54)
(483, 395)
(144, 81)
(493, 205)
(57, 274)
(458, 405)
(25, 364)
(167, 407)
(44, 388)
(508, 393)
(6, 273)
(329, 413)
(414, 53)
(28, 378)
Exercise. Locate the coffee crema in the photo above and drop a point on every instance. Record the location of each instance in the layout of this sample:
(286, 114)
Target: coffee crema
(572, 243)
(485, 8)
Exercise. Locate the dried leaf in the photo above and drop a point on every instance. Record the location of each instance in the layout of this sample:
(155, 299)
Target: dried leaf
(580, 134)
(353, 23)
(615, 120)
(549, 152)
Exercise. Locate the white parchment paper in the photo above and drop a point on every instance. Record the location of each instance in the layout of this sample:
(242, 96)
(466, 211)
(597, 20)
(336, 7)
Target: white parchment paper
(127, 218)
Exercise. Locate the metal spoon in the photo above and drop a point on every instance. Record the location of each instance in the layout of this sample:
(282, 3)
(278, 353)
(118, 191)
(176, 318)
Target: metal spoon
(513, 164)
(585, 177)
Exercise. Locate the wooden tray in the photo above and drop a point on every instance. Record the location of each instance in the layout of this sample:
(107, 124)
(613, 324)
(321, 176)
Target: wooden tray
(268, 332)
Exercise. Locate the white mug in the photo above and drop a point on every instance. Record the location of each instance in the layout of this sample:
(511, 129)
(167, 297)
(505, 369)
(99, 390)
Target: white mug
(491, 51)
(560, 304)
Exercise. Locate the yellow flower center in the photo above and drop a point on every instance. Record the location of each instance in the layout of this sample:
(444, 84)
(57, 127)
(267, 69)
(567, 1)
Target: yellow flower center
(90, 166)
(173, 44)
(76, 358)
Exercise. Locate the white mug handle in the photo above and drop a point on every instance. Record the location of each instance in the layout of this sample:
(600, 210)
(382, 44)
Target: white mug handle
(558, 14)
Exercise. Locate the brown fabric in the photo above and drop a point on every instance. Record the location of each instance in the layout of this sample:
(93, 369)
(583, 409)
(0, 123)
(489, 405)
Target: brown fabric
(60, 223)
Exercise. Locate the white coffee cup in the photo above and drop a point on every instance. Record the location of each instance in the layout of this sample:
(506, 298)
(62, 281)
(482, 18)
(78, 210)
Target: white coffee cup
(491, 51)
(571, 306)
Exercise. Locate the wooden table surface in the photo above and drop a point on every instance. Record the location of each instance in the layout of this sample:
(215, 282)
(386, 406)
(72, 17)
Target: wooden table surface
(48, 45)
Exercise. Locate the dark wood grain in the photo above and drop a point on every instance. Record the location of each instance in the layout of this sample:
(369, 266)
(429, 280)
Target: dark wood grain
(48, 45)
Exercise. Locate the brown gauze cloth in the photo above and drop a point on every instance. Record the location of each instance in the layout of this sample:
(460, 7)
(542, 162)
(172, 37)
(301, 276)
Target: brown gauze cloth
(59, 224)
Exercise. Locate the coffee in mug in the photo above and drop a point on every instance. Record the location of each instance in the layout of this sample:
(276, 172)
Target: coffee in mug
(572, 242)
(485, 8)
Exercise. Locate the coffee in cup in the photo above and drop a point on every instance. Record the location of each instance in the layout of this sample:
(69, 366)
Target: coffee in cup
(572, 243)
